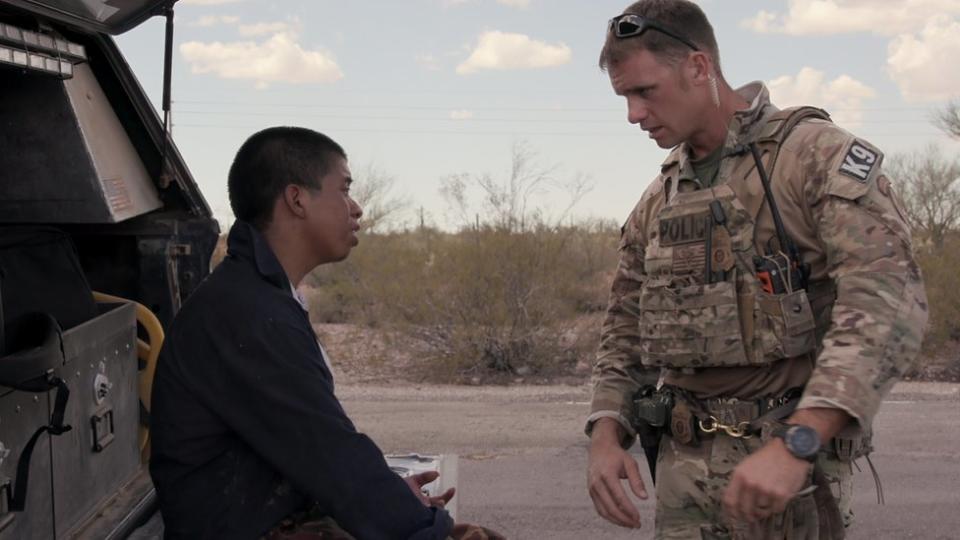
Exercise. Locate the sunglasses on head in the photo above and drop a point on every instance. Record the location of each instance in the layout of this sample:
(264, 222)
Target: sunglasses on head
(630, 25)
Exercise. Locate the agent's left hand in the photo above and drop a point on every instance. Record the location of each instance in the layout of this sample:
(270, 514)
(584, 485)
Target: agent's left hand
(416, 483)
(764, 483)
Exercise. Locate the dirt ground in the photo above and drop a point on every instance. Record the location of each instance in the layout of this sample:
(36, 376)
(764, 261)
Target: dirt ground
(363, 355)
(523, 456)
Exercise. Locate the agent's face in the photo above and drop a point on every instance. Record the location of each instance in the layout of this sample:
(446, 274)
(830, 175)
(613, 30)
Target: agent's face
(659, 98)
(332, 215)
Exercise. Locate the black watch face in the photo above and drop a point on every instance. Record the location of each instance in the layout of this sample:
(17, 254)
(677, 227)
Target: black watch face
(802, 441)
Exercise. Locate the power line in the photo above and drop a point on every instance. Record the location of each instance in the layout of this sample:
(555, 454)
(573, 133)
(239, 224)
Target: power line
(479, 108)
(390, 107)
(504, 133)
(468, 120)
(415, 118)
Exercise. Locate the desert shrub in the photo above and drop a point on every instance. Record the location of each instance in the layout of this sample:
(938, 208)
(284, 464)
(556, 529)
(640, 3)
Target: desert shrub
(941, 274)
(484, 302)
(500, 296)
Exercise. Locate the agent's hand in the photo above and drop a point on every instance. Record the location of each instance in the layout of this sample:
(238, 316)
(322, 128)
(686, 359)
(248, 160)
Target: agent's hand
(764, 483)
(416, 483)
(609, 465)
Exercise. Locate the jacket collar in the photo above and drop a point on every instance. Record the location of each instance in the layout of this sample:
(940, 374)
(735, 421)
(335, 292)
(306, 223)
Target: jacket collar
(248, 244)
(745, 126)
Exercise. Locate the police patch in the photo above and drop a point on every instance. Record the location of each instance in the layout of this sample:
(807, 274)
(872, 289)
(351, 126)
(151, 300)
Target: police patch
(684, 229)
(859, 162)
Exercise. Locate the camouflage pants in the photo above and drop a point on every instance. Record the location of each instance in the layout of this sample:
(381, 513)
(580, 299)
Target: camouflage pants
(311, 525)
(690, 485)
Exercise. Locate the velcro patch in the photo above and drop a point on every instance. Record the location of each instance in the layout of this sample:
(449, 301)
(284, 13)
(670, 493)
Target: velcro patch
(859, 162)
(689, 259)
(685, 229)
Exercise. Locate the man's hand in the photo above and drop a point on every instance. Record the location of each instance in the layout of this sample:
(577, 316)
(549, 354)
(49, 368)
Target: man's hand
(764, 483)
(609, 466)
(416, 483)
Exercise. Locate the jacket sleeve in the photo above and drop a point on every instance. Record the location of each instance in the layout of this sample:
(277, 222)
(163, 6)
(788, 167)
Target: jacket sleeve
(292, 419)
(880, 312)
(618, 372)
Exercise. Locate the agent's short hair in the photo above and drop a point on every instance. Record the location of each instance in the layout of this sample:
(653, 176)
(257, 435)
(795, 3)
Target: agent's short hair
(680, 16)
(272, 159)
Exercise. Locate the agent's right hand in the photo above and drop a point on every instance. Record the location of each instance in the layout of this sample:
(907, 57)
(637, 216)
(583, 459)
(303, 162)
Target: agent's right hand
(609, 465)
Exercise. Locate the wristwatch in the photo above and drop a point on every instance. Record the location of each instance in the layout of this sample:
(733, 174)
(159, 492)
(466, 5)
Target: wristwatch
(801, 441)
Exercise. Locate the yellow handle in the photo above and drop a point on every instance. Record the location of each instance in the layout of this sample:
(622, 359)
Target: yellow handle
(147, 351)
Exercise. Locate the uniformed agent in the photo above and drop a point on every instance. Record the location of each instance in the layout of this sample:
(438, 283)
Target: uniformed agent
(766, 300)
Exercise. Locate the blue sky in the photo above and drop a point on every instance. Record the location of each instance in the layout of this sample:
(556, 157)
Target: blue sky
(423, 89)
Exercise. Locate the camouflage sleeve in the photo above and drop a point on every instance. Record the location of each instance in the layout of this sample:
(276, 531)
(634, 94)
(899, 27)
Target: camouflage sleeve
(618, 372)
(880, 312)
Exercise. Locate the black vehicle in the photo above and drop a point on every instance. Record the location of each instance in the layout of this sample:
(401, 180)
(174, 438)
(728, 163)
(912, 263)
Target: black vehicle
(103, 232)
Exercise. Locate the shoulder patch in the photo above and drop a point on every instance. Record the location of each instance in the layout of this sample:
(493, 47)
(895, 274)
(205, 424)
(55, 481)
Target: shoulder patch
(859, 161)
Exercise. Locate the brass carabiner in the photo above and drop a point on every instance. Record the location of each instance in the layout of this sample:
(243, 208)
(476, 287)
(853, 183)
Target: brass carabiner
(739, 431)
(711, 427)
(712, 424)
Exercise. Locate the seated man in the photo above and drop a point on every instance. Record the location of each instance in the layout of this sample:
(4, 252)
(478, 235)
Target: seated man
(249, 440)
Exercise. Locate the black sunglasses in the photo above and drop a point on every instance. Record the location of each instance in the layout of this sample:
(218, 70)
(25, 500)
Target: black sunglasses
(630, 25)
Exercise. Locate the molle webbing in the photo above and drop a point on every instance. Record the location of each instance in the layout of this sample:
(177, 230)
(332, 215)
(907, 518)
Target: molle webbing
(778, 128)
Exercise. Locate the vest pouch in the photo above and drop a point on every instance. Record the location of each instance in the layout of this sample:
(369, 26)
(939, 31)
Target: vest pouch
(788, 324)
(690, 326)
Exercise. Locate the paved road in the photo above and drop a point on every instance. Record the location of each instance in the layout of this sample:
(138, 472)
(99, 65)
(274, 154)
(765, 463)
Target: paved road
(522, 457)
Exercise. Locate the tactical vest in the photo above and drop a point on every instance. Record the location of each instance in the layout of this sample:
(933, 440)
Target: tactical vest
(703, 304)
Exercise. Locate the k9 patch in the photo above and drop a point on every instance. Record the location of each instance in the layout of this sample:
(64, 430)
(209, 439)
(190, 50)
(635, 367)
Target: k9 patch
(859, 161)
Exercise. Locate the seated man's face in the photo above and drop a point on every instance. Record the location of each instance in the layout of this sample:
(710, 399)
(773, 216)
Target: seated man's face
(332, 215)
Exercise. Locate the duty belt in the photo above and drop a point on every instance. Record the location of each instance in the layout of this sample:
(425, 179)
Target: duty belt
(739, 418)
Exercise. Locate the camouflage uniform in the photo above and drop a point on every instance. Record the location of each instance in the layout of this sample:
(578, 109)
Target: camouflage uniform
(861, 316)
(314, 525)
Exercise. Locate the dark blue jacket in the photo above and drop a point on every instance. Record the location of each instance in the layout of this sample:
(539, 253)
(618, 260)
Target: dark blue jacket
(245, 425)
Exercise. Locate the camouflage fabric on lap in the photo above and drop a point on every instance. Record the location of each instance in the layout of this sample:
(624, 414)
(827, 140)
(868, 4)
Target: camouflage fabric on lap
(465, 531)
(313, 525)
(309, 525)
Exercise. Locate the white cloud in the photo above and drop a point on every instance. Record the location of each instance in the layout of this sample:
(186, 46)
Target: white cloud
(502, 50)
(842, 97)
(214, 20)
(461, 114)
(278, 59)
(924, 66)
(264, 28)
(207, 2)
(884, 17)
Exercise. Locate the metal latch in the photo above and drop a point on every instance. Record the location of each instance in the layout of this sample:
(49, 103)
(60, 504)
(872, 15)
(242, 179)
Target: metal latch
(101, 386)
(179, 250)
(102, 424)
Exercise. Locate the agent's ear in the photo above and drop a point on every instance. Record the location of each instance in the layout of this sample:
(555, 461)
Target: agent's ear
(294, 199)
(699, 68)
